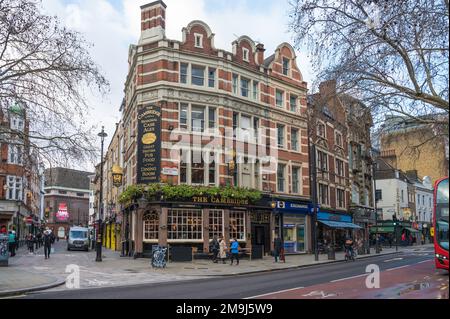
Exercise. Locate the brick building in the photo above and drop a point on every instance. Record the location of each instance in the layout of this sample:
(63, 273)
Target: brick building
(416, 147)
(20, 174)
(360, 162)
(185, 95)
(66, 199)
(328, 133)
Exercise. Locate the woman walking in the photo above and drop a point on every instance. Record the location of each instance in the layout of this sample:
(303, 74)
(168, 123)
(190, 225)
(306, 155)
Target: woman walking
(222, 249)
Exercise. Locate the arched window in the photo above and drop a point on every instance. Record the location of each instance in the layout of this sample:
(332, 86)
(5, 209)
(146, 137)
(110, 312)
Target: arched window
(151, 225)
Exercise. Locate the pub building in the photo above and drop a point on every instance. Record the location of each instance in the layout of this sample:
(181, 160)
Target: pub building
(191, 86)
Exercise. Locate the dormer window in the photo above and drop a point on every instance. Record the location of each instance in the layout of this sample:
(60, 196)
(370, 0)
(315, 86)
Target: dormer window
(245, 54)
(285, 66)
(198, 40)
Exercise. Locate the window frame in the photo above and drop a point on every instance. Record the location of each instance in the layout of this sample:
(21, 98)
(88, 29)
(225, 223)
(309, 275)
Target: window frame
(213, 79)
(184, 76)
(197, 67)
(245, 54)
(286, 68)
(283, 136)
(295, 132)
(298, 184)
(179, 217)
(283, 178)
(198, 36)
(277, 91)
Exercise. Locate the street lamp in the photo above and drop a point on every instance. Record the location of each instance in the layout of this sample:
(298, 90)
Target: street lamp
(102, 136)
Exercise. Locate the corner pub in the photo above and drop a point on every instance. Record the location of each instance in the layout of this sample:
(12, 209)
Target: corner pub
(192, 86)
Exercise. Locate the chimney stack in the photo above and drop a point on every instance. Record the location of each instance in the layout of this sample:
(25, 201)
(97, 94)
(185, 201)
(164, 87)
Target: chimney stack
(153, 22)
(260, 53)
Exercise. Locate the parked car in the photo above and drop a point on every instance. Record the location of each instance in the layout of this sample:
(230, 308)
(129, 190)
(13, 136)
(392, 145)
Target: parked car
(78, 238)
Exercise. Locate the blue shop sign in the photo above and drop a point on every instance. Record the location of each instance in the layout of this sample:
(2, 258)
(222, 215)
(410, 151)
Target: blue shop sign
(334, 217)
(290, 207)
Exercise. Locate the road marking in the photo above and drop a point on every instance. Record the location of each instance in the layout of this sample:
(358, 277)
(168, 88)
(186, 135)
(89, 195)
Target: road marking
(348, 278)
(393, 259)
(319, 293)
(424, 261)
(275, 292)
(398, 267)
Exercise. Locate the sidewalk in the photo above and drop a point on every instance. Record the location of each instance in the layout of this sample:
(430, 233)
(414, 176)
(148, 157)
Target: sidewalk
(15, 280)
(29, 272)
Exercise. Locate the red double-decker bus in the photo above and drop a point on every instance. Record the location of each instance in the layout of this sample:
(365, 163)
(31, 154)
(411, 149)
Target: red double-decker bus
(440, 223)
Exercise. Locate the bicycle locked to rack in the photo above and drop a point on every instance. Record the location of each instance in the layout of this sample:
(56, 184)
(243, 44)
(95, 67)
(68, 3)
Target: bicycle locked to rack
(159, 257)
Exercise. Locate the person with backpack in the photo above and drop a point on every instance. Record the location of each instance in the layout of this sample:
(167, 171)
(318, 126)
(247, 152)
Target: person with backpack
(234, 247)
(12, 242)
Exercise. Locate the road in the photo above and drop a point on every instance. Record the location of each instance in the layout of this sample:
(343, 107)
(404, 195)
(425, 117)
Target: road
(412, 273)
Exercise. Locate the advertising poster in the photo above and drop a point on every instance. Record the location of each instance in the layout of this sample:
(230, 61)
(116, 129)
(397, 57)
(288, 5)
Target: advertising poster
(149, 145)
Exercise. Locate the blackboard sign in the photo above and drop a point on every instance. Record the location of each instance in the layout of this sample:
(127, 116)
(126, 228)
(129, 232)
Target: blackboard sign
(149, 145)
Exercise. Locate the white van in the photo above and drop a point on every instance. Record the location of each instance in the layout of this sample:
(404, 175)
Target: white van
(78, 238)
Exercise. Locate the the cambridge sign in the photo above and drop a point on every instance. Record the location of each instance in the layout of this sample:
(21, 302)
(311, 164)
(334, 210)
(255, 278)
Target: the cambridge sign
(219, 200)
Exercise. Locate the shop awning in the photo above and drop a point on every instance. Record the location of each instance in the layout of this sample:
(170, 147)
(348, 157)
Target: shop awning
(334, 224)
(412, 230)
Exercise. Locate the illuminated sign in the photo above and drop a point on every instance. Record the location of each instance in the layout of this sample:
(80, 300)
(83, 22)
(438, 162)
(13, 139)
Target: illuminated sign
(62, 214)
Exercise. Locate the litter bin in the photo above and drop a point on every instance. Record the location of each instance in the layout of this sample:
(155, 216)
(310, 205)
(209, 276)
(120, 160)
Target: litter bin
(4, 252)
(331, 255)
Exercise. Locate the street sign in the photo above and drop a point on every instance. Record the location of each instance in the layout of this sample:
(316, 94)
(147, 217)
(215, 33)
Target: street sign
(170, 171)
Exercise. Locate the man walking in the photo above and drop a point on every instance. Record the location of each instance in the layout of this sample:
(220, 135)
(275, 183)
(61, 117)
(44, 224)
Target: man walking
(278, 244)
(215, 248)
(48, 240)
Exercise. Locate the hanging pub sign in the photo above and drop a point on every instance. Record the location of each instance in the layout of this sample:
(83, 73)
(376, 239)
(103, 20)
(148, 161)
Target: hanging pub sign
(149, 145)
(117, 175)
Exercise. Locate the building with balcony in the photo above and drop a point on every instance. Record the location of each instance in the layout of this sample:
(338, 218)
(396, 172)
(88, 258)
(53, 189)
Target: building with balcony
(195, 116)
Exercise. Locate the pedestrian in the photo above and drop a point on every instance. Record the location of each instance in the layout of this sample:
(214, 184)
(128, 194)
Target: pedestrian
(234, 247)
(12, 243)
(39, 240)
(222, 249)
(30, 243)
(214, 248)
(423, 239)
(48, 241)
(277, 245)
(390, 241)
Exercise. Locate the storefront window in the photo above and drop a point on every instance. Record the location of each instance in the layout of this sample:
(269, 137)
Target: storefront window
(294, 233)
(215, 223)
(185, 224)
(237, 225)
(151, 226)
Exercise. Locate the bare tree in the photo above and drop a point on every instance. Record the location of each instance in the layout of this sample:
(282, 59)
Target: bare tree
(47, 70)
(392, 55)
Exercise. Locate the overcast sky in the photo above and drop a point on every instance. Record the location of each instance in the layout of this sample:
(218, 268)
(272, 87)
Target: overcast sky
(112, 25)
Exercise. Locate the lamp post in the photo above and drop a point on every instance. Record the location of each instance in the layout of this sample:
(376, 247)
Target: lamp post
(102, 136)
(19, 203)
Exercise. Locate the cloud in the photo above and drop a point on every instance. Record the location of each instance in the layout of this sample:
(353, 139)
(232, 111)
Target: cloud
(112, 26)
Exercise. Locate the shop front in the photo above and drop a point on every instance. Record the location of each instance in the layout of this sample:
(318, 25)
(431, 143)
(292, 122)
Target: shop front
(365, 218)
(192, 225)
(296, 231)
(334, 228)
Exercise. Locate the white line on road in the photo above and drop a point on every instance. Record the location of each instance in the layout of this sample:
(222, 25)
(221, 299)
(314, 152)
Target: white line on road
(393, 259)
(424, 261)
(348, 278)
(398, 267)
(275, 292)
